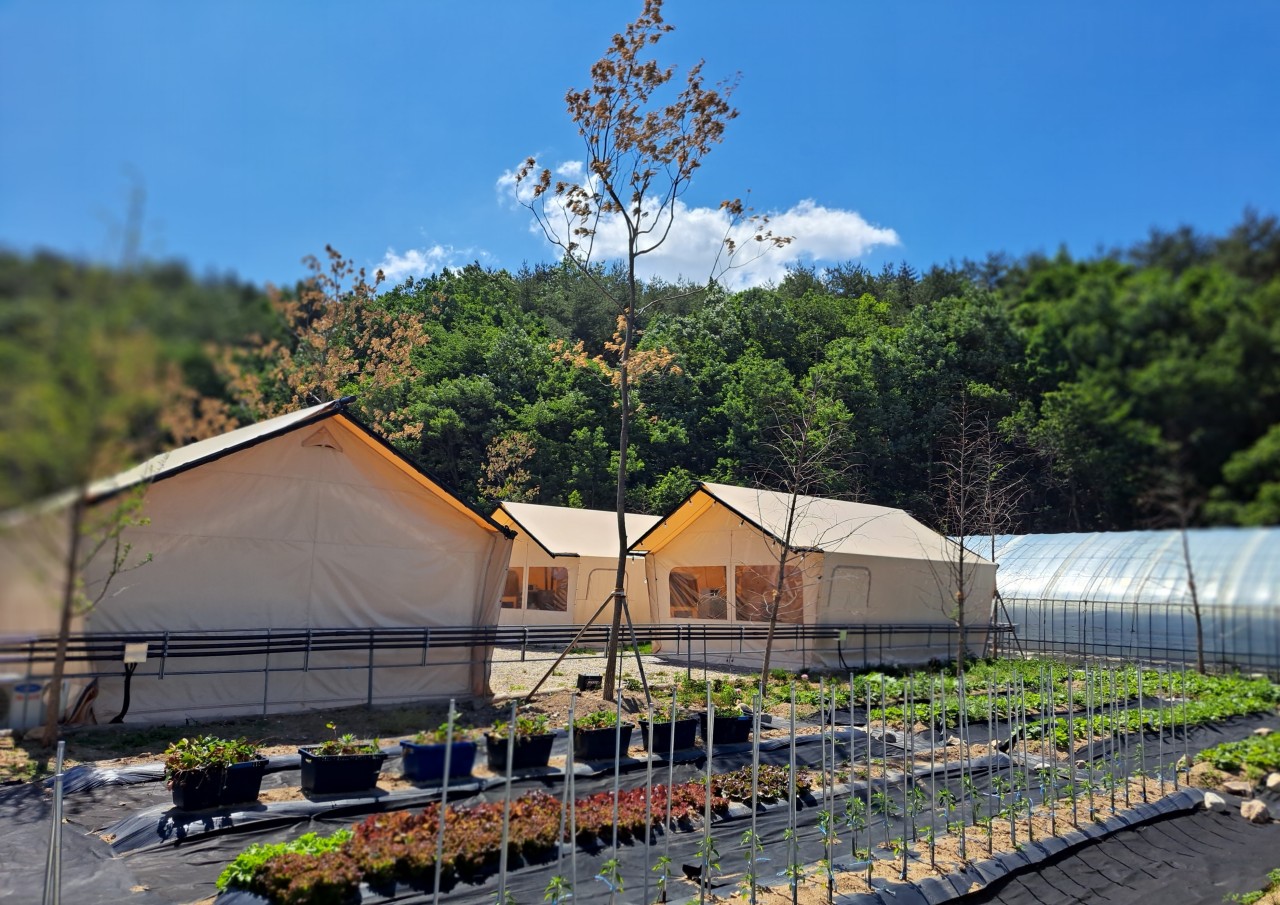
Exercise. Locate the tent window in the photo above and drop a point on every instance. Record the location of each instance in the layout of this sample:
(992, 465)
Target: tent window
(548, 588)
(753, 589)
(850, 592)
(511, 590)
(697, 592)
(322, 438)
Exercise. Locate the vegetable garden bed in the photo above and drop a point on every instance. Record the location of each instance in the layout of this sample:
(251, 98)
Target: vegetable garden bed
(918, 774)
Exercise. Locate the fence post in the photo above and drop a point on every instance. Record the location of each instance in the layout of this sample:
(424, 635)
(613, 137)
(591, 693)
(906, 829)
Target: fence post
(369, 698)
(53, 866)
(266, 675)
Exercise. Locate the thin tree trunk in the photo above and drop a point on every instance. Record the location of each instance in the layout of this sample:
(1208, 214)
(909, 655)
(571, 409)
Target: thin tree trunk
(70, 577)
(1195, 599)
(624, 435)
(777, 593)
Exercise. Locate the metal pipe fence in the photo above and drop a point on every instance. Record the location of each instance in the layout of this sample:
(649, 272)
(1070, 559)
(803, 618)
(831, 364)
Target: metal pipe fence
(275, 652)
(1240, 638)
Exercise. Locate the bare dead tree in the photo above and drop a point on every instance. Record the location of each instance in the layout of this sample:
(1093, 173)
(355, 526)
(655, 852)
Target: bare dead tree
(806, 452)
(1173, 501)
(642, 154)
(979, 492)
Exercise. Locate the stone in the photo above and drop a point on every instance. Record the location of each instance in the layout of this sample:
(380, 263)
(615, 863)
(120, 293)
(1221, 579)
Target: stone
(1214, 802)
(1262, 730)
(1204, 776)
(1273, 782)
(1255, 811)
(1240, 787)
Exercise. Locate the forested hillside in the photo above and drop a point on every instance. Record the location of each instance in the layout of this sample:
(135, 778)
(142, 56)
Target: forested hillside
(1116, 389)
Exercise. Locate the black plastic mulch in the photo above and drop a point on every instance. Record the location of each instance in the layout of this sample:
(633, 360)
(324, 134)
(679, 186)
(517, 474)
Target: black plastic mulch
(1193, 859)
(161, 855)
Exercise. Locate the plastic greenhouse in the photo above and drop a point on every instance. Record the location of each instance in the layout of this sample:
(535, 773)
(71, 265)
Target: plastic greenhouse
(1126, 595)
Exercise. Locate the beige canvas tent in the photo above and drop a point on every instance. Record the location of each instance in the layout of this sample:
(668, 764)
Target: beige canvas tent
(302, 522)
(714, 560)
(564, 564)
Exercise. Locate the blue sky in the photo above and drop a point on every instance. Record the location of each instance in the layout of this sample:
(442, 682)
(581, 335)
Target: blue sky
(878, 131)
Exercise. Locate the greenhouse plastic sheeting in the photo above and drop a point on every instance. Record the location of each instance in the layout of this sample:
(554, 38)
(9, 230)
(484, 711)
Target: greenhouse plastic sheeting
(1125, 594)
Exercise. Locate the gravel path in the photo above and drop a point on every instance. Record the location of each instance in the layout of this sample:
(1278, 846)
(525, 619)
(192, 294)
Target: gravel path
(512, 675)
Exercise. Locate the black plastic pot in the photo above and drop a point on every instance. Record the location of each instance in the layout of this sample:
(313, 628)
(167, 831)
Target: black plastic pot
(530, 751)
(198, 790)
(425, 763)
(338, 773)
(657, 738)
(729, 730)
(601, 744)
(244, 781)
(589, 681)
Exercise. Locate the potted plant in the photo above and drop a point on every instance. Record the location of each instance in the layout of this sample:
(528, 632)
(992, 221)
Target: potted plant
(657, 737)
(532, 743)
(596, 736)
(423, 755)
(340, 764)
(245, 770)
(197, 772)
(732, 726)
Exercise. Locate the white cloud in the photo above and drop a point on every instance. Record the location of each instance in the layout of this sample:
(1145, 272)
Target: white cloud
(820, 235)
(422, 261)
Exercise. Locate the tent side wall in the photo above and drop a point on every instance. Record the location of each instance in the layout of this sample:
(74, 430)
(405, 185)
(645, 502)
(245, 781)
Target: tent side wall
(33, 552)
(537, 588)
(897, 591)
(722, 548)
(838, 588)
(287, 535)
(588, 582)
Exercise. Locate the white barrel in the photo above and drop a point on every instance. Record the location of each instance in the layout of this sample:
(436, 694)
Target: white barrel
(26, 705)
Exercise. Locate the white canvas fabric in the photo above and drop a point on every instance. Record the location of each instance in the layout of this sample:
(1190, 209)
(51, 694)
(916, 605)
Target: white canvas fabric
(858, 564)
(270, 529)
(584, 543)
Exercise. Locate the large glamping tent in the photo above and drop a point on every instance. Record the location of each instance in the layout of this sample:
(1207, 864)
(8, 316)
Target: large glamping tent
(714, 560)
(300, 523)
(564, 564)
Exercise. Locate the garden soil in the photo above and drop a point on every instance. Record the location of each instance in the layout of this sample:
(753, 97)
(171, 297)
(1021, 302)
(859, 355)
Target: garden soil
(125, 843)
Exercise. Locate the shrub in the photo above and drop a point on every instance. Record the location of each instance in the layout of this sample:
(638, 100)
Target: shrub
(243, 871)
(299, 878)
(345, 744)
(773, 782)
(601, 719)
(440, 735)
(1258, 754)
(527, 724)
(187, 755)
(395, 845)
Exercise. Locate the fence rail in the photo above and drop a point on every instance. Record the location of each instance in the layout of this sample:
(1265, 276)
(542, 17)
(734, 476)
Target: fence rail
(40, 649)
(1235, 637)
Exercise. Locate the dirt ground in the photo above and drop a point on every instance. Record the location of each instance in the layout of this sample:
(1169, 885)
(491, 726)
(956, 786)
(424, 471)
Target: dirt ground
(23, 759)
(946, 856)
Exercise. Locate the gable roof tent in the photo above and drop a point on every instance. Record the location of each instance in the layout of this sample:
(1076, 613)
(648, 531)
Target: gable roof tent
(712, 562)
(563, 531)
(823, 526)
(564, 563)
(175, 462)
(304, 523)
(1125, 593)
